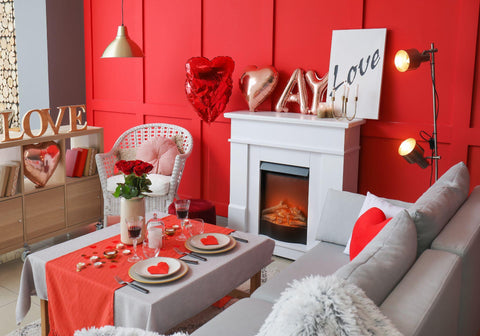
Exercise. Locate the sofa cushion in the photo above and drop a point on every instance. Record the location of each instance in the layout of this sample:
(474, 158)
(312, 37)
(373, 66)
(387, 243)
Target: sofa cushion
(160, 184)
(439, 203)
(244, 318)
(160, 152)
(372, 201)
(426, 301)
(384, 261)
(461, 236)
(341, 208)
(368, 225)
(323, 259)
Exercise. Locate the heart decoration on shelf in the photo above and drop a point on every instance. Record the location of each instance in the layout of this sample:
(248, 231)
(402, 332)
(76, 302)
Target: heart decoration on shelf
(209, 85)
(40, 161)
(257, 84)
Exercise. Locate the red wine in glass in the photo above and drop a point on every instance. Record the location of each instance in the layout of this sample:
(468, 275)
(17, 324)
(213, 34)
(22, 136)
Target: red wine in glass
(134, 231)
(182, 213)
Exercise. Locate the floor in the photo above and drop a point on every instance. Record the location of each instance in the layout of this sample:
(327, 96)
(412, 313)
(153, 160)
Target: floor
(10, 280)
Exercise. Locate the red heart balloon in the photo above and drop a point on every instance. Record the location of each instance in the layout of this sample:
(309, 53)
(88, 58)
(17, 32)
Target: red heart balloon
(209, 85)
(209, 240)
(160, 268)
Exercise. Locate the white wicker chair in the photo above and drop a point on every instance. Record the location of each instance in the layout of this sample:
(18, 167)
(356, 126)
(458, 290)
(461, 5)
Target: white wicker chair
(132, 138)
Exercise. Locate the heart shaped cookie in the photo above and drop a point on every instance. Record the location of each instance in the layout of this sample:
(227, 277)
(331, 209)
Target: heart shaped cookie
(209, 240)
(209, 85)
(160, 268)
(40, 161)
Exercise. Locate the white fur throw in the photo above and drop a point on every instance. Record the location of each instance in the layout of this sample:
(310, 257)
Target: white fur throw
(119, 331)
(325, 306)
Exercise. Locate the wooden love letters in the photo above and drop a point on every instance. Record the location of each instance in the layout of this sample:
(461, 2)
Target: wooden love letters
(75, 114)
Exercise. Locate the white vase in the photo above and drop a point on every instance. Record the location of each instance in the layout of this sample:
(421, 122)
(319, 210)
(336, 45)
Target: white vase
(129, 208)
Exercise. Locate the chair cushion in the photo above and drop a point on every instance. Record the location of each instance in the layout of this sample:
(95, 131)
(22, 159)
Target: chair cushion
(160, 152)
(160, 184)
(438, 204)
(385, 260)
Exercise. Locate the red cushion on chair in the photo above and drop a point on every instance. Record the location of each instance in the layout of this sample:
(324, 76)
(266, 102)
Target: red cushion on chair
(366, 228)
(199, 208)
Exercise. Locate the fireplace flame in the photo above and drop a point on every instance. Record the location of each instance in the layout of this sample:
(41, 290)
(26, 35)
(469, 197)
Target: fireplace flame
(282, 214)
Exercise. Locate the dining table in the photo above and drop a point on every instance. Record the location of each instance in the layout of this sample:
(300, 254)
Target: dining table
(166, 304)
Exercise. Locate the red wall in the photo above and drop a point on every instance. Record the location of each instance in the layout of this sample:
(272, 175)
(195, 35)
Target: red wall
(122, 93)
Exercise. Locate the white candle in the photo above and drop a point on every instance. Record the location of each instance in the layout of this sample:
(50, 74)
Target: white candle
(155, 236)
(347, 90)
(356, 91)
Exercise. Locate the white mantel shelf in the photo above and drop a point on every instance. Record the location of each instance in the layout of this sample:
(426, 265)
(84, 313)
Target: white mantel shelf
(293, 118)
(329, 148)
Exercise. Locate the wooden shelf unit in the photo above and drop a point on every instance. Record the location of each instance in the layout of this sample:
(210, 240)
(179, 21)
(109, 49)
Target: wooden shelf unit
(63, 204)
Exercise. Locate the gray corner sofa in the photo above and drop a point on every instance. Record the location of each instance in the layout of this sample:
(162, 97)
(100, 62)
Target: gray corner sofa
(437, 293)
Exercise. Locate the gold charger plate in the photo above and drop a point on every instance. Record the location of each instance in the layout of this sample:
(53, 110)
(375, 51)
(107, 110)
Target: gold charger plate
(196, 241)
(229, 246)
(177, 275)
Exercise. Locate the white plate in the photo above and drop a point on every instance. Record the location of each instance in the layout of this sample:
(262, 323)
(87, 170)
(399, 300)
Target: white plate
(196, 241)
(141, 267)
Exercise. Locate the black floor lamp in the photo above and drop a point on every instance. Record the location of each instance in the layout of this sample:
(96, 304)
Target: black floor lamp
(411, 59)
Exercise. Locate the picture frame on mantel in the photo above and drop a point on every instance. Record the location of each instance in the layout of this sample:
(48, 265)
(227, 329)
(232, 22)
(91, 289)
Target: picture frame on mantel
(356, 59)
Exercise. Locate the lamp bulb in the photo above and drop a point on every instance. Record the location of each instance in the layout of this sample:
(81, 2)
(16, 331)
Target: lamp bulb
(402, 60)
(407, 146)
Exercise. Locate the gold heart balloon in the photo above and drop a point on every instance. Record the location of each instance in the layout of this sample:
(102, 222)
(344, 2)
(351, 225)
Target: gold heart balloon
(40, 161)
(257, 84)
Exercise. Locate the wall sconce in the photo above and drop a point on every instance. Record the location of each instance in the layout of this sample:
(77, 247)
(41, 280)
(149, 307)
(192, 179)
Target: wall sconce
(122, 45)
(413, 152)
(411, 59)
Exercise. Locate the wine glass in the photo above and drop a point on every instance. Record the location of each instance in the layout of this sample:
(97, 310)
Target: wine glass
(181, 207)
(195, 226)
(134, 225)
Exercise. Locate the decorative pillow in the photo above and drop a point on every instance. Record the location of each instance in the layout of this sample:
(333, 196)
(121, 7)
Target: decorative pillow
(432, 211)
(385, 260)
(160, 183)
(160, 152)
(325, 306)
(366, 228)
(371, 201)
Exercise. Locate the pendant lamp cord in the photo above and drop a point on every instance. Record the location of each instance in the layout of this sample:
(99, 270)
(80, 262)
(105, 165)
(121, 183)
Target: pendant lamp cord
(122, 12)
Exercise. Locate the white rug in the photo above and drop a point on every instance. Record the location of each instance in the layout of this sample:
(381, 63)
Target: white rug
(188, 326)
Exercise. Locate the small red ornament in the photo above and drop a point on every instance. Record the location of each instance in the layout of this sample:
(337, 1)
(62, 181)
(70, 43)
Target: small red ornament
(209, 85)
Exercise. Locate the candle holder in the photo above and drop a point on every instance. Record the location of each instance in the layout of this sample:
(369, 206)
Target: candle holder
(343, 114)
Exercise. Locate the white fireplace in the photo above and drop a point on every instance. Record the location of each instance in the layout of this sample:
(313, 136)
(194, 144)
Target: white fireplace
(326, 150)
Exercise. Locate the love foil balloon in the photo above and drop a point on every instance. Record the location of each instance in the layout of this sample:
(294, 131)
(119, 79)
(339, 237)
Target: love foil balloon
(40, 161)
(209, 85)
(257, 84)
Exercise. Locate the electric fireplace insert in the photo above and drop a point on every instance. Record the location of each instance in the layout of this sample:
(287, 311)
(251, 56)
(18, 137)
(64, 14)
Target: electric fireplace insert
(284, 202)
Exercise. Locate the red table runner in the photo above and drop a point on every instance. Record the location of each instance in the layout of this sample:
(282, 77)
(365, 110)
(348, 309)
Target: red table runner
(80, 299)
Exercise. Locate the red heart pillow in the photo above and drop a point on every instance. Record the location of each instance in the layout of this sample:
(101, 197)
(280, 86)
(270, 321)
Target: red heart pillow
(366, 228)
(209, 240)
(160, 268)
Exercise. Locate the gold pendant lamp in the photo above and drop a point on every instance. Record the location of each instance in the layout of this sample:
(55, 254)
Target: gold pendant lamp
(122, 45)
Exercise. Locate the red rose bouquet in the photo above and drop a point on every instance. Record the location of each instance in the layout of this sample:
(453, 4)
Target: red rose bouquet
(136, 180)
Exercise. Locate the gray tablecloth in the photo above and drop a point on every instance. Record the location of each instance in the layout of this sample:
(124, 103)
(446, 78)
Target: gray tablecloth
(167, 304)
